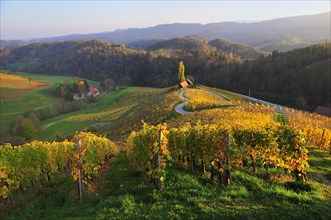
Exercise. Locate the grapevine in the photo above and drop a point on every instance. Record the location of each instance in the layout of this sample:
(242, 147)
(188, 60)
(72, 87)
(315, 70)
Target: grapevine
(39, 162)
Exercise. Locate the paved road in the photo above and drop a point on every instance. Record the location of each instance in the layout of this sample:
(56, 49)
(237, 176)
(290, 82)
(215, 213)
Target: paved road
(250, 98)
(180, 107)
(262, 101)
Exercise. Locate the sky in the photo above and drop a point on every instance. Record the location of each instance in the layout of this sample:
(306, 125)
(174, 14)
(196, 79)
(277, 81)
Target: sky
(25, 19)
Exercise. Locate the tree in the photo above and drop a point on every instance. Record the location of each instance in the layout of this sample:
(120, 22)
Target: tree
(79, 86)
(181, 72)
(14, 127)
(301, 102)
(32, 116)
(23, 127)
(109, 84)
(27, 129)
(86, 85)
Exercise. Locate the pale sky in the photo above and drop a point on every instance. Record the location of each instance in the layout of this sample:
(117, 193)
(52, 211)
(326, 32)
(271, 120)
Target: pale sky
(25, 19)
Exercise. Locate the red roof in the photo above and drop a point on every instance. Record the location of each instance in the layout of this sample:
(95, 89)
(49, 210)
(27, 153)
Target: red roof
(189, 82)
(323, 111)
(93, 90)
(184, 84)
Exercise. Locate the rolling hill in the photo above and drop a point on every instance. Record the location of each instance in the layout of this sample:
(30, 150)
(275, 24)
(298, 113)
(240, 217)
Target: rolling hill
(194, 189)
(182, 43)
(12, 44)
(285, 78)
(196, 43)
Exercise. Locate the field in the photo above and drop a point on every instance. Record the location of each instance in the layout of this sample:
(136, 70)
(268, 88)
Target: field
(124, 191)
(67, 124)
(25, 92)
(16, 86)
(116, 114)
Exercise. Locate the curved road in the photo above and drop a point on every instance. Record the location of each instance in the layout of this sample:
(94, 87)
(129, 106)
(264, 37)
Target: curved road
(180, 107)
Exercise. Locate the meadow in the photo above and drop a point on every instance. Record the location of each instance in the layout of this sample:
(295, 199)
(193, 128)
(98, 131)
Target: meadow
(22, 92)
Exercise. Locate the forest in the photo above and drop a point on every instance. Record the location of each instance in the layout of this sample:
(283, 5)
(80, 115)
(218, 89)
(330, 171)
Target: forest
(299, 78)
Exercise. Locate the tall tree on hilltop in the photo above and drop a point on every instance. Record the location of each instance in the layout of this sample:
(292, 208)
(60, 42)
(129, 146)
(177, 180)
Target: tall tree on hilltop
(181, 71)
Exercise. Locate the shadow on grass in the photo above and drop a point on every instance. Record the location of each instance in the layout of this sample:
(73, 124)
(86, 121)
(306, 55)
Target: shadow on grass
(127, 194)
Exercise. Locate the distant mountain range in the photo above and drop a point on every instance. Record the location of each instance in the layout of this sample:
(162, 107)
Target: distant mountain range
(12, 44)
(281, 34)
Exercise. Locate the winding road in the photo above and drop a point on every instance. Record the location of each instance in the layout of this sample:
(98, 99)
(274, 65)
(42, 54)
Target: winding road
(180, 107)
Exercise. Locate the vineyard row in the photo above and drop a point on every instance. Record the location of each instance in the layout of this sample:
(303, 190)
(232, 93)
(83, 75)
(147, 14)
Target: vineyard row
(22, 167)
(224, 149)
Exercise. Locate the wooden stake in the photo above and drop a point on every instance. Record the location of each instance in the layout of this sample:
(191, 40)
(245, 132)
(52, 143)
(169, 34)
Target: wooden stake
(212, 170)
(228, 176)
(158, 180)
(80, 161)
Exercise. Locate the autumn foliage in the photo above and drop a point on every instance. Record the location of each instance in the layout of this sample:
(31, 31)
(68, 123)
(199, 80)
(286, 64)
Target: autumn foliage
(39, 162)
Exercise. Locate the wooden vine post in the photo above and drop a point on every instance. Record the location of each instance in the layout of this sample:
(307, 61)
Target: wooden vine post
(158, 180)
(228, 176)
(79, 166)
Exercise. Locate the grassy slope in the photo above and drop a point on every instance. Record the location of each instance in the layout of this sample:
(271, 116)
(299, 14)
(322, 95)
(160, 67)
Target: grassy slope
(59, 124)
(126, 194)
(121, 103)
(36, 98)
(31, 99)
(122, 193)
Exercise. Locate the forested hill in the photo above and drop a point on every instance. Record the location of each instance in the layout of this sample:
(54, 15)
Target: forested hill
(299, 78)
(99, 60)
(200, 43)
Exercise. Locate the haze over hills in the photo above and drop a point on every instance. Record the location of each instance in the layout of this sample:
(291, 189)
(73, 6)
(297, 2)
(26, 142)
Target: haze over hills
(12, 43)
(278, 34)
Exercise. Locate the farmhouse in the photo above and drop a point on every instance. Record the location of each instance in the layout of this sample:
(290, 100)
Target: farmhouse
(185, 84)
(78, 96)
(93, 92)
(189, 81)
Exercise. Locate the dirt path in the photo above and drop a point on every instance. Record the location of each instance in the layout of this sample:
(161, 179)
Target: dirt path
(50, 124)
(21, 112)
